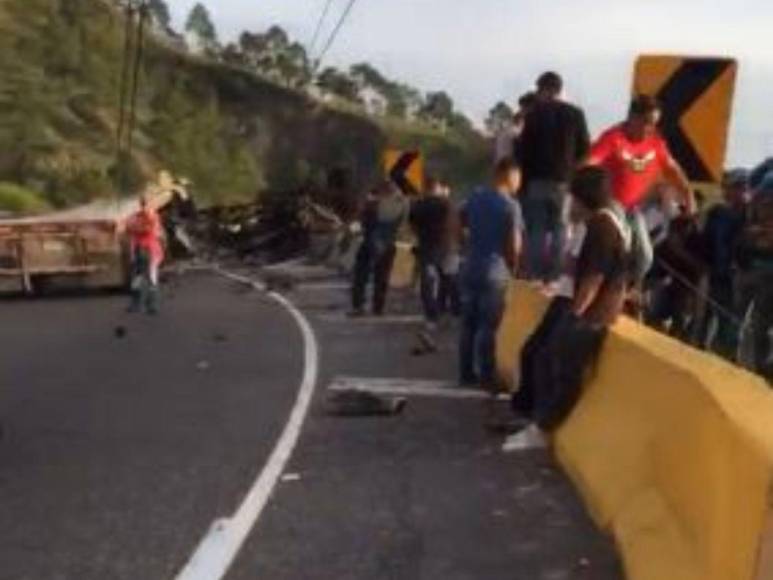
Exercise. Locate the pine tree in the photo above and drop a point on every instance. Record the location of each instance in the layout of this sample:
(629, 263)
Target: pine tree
(200, 23)
(160, 12)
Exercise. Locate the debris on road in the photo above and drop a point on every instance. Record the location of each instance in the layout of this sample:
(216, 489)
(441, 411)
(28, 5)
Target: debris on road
(355, 403)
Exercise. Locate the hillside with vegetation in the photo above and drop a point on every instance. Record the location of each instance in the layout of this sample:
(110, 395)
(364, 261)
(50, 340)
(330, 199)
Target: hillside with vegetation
(237, 120)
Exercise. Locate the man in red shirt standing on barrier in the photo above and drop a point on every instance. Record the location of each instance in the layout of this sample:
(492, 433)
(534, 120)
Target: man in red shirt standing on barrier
(147, 253)
(637, 158)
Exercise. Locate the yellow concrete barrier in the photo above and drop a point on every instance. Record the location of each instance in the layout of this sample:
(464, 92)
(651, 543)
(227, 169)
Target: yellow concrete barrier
(672, 450)
(404, 269)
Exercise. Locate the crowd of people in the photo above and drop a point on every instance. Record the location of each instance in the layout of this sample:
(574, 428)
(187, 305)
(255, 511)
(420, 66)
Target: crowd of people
(602, 227)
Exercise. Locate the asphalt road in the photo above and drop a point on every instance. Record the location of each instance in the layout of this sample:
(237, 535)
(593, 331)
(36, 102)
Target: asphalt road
(121, 452)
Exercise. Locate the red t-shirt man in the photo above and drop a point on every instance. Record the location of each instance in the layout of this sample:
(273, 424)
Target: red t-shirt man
(637, 157)
(146, 232)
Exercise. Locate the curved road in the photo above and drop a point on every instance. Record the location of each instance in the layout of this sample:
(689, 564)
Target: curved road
(120, 452)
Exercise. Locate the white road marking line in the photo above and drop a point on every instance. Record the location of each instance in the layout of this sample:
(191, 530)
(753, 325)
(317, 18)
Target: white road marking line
(385, 320)
(407, 388)
(219, 548)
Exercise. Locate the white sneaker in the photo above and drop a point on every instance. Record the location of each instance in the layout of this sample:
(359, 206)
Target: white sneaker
(529, 439)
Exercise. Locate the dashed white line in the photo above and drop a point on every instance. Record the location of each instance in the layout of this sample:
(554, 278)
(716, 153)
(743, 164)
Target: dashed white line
(219, 548)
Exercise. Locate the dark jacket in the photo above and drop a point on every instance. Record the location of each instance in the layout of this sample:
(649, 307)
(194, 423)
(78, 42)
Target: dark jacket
(554, 140)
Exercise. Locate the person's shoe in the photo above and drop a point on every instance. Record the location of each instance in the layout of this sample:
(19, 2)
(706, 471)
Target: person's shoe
(529, 439)
(356, 313)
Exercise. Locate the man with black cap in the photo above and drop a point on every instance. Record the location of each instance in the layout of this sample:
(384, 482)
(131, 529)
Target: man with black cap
(554, 142)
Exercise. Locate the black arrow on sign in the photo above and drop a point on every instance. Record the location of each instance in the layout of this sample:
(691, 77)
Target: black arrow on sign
(398, 173)
(682, 90)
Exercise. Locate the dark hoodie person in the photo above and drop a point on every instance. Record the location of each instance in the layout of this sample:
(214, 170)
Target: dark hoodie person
(569, 338)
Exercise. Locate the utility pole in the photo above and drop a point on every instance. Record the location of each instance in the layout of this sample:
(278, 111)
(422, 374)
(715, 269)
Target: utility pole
(136, 14)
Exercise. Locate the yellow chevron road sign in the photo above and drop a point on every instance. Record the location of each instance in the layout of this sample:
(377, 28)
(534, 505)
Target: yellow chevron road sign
(696, 95)
(405, 169)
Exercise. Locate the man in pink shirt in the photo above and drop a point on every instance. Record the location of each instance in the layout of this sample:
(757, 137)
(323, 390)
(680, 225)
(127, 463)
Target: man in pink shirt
(147, 253)
(637, 158)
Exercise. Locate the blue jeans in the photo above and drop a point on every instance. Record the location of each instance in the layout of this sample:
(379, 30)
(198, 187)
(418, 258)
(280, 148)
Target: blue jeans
(545, 220)
(373, 262)
(643, 254)
(435, 286)
(483, 303)
(430, 281)
(144, 283)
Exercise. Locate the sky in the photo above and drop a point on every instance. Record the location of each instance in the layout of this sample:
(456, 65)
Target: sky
(483, 51)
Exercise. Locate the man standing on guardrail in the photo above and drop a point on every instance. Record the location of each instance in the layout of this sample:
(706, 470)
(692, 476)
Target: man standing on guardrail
(554, 142)
(567, 341)
(492, 220)
(637, 157)
(147, 253)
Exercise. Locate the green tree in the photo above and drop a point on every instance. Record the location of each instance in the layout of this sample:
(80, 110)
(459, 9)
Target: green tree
(499, 117)
(367, 76)
(160, 12)
(335, 82)
(272, 54)
(199, 24)
(233, 55)
(438, 108)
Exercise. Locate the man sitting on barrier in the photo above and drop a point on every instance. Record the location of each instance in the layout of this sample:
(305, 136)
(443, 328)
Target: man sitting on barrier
(568, 340)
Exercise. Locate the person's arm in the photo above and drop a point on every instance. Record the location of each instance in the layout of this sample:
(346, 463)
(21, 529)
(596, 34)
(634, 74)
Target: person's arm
(413, 217)
(601, 150)
(510, 251)
(513, 240)
(582, 138)
(588, 288)
(677, 177)
(460, 225)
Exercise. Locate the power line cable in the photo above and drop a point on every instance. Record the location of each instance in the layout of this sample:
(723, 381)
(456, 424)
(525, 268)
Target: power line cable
(320, 22)
(335, 33)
